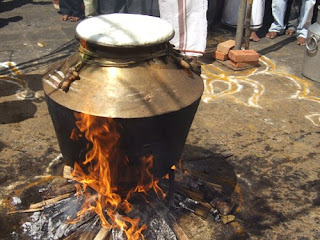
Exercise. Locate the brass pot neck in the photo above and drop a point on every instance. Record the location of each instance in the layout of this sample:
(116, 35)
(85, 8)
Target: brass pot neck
(123, 54)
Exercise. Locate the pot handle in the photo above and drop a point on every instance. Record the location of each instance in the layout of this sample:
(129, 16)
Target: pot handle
(312, 43)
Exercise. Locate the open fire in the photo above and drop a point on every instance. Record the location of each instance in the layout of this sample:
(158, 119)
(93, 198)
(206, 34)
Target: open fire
(101, 209)
(120, 199)
(108, 178)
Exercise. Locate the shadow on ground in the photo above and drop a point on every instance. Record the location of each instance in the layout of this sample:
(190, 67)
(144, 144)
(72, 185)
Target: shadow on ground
(210, 167)
(10, 5)
(16, 111)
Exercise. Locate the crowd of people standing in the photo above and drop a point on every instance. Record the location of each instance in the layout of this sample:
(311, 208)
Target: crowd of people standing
(191, 18)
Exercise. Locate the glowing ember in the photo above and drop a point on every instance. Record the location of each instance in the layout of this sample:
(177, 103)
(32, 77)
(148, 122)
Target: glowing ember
(107, 175)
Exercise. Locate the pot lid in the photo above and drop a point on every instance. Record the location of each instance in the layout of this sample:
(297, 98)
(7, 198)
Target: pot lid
(124, 30)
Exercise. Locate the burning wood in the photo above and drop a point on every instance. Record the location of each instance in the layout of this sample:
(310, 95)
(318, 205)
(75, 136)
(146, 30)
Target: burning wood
(49, 201)
(102, 234)
(27, 210)
(156, 215)
(107, 166)
(40, 206)
(192, 206)
(107, 181)
(195, 183)
(67, 172)
(69, 216)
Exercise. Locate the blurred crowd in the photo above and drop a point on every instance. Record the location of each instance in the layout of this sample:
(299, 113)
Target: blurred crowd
(191, 19)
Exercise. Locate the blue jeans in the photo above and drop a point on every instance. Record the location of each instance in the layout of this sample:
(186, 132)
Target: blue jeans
(279, 10)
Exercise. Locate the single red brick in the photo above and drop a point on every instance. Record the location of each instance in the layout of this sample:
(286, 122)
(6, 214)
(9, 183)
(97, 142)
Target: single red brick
(220, 56)
(226, 46)
(243, 64)
(243, 56)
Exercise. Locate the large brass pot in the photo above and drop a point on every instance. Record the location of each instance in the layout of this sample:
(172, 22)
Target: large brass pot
(144, 89)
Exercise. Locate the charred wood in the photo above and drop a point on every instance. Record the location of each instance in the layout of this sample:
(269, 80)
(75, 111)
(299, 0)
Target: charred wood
(49, 201)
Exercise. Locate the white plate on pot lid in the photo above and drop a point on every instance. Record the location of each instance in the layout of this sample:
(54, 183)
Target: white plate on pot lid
(124, 30)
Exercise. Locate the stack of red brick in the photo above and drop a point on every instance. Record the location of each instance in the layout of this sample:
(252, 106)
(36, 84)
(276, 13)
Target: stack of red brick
(236, 58)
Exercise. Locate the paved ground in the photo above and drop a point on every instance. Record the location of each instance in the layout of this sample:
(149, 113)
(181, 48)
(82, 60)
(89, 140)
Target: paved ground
(267, 117)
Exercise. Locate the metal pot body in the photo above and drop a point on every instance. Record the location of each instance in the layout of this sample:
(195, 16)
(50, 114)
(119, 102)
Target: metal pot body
(162, 136)
(311, 62)
(153, 102)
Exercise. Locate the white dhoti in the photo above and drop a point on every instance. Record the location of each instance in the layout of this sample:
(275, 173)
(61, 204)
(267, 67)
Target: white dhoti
(90, 7)
(189, 21)
(231, 9)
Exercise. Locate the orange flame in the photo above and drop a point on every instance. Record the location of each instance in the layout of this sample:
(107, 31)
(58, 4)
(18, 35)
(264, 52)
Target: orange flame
(104, 169)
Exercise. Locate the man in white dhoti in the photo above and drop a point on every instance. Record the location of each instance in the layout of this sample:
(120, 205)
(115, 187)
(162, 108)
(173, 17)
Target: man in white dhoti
(188, 18)
(278, 27)
(230, 15)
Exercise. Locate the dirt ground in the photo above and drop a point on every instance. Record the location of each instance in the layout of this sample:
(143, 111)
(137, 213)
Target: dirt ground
(257, 130)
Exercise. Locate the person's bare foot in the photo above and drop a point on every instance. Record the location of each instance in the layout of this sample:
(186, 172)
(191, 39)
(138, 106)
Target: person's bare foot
(74, 19)
(64, 17)
(254, 37)
(301, 41)
(271, 35)
(290, 32)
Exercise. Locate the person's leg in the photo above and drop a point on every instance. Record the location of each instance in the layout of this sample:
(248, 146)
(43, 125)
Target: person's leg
(306, 13)
(136, 7)
(230, 13)
(292, 26)
(77, 10)
(293, 20)
(152, 7)
(169, 11)
(189, 21)
(278, 12)
(65, 9)
(256, 18)
(212, 11)
(253, 36)
(56, 4)
(195, 28)
(110, 6)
